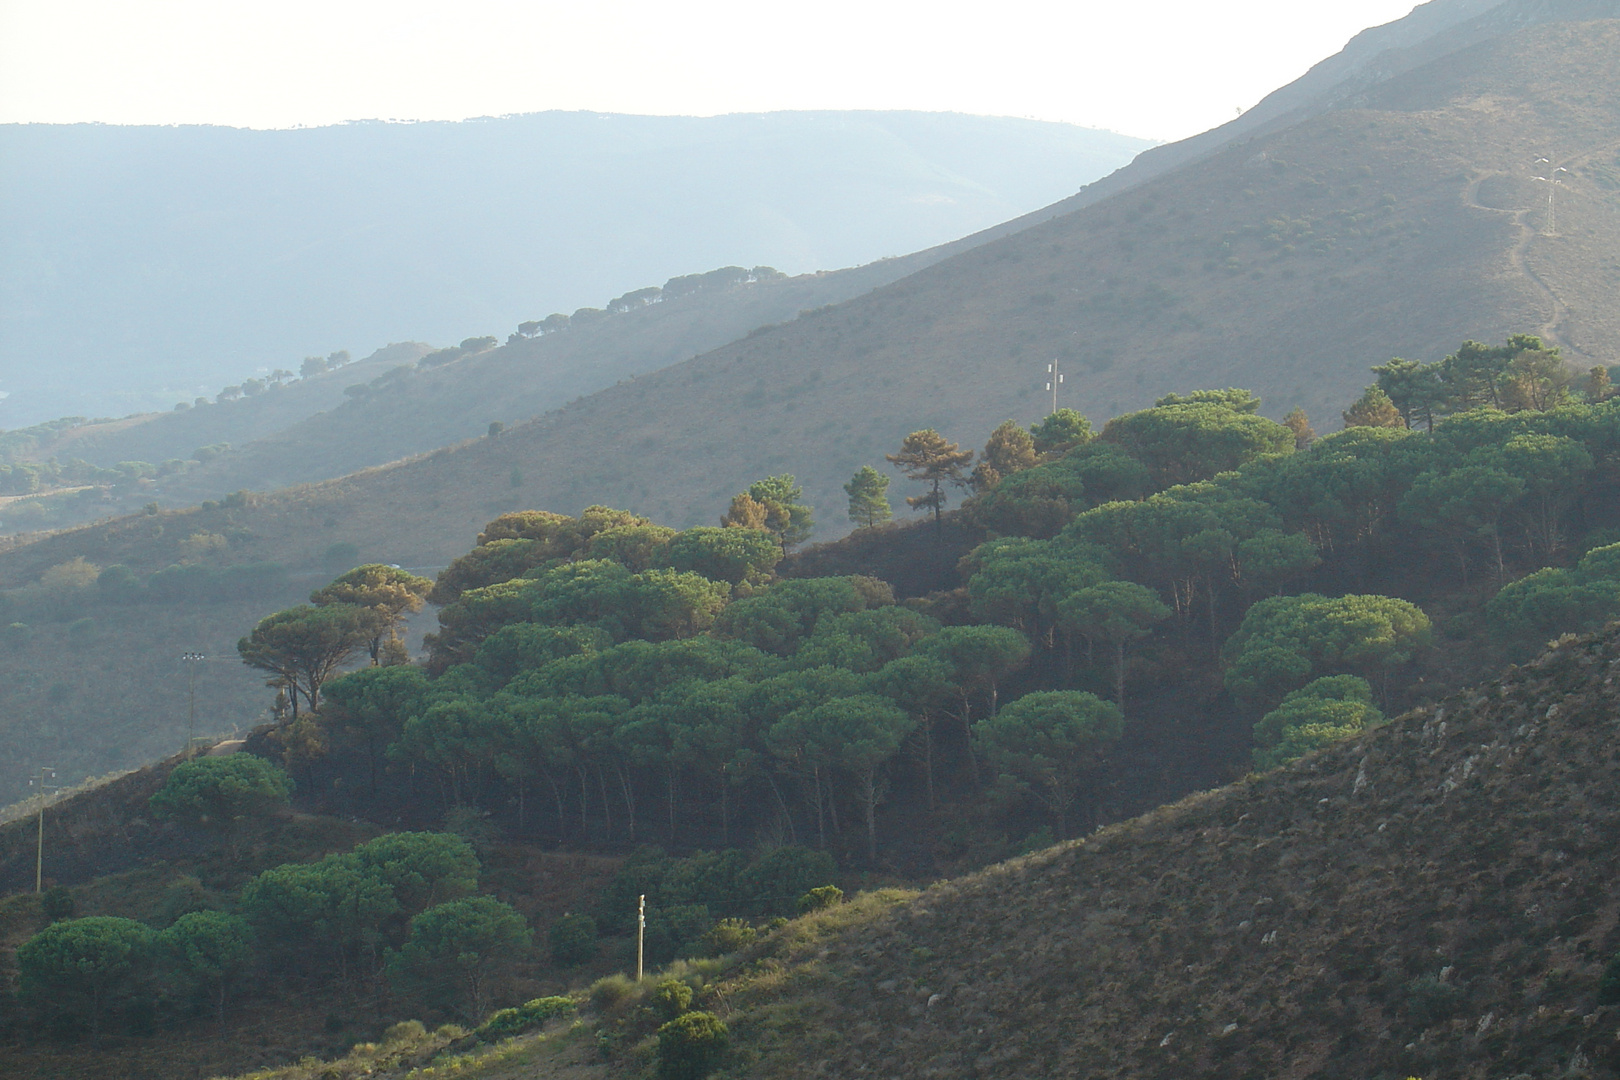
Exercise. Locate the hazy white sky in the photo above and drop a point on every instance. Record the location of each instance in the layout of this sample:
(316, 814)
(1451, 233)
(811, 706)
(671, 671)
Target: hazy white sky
(1158, 70)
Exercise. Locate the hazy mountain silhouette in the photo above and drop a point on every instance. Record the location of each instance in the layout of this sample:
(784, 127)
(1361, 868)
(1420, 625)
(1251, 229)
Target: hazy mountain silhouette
(144, 265)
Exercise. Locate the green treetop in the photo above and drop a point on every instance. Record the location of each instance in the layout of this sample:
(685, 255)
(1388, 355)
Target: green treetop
(868, 497)
(1049, 743)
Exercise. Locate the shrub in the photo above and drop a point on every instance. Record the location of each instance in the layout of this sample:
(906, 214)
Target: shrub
(691, 1046)
(783, 874)
(1609, 988)
(573, 939)
(57, 903)
(728, 936)
(508, 1022)
(671, 998)
(1428, 1000)
(825, 897)
(612, 991)
(406, 1031)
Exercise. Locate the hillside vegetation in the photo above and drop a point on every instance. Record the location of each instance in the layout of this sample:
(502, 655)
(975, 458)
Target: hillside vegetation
(1289, 265)
(1113, 620)
(1432, 898)
(456, 393)
(149, 263)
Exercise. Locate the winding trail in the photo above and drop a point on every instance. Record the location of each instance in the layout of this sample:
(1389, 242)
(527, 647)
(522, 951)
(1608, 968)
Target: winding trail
(1554, 330)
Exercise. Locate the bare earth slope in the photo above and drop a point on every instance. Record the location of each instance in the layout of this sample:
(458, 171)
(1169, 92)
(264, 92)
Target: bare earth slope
(1433, 898)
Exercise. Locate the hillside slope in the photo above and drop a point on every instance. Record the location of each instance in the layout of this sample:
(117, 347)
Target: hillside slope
(149, 263)
(1435, 897)
(156, 437)
(1287, 265)
(405, 411)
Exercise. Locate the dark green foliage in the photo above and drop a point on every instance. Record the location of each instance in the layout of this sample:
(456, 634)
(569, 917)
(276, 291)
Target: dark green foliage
(1316, 715)
(1050, 743)
(1554, 601)
(221, 793)
(504, 1023)
(825, 896)
(421, 869)
(868, 497)
(1609, 987)
(776, 879)
(573, 940)
(304, 646)
(670, 999)
(691, 1046)
(321, 912)
(458, 952)
(1060, 432)
(731, 555)
(777, 619)
(1284, 641)
(209, 950)
(786, 514)
(728, 936)
(85, 967)
(57, 904)
(1182, 440)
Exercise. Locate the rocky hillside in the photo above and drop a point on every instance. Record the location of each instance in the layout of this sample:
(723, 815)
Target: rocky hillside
(1434, 898)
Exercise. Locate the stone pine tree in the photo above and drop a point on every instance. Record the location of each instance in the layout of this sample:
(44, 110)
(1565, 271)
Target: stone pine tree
(1010, 449)
(304, 646)
(387, 593)
(1373, 409)
(868, 492)
(929, 457)
(1300, 424)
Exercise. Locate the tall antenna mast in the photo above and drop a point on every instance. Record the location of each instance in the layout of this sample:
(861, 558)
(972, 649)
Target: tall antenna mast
(1054, 379)
(1553, 184)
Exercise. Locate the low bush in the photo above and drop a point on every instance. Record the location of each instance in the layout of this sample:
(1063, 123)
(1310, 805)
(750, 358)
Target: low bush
(728, 936)
(817, 899)
(612, 991)
(671, 998)
(508, 1022)
(573, 940)
(691, 1046)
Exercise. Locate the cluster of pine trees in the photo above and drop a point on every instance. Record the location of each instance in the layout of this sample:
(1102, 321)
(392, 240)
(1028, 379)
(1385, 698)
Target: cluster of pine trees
(602, 678)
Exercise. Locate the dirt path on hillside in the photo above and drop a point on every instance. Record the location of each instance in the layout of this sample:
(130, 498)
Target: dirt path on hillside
(1554, 330)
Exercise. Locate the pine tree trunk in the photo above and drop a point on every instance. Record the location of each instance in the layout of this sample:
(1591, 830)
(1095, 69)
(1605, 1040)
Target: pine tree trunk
(1119, 674)
(967, 733)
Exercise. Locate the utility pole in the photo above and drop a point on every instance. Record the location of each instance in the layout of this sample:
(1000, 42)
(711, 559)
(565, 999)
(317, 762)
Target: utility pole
(641, 937)
(1553, 184)
(191, 660)
(1054, 379)
(43, 782)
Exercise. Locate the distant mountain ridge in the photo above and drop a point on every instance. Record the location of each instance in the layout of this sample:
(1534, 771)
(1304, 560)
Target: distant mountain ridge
(143, 265)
